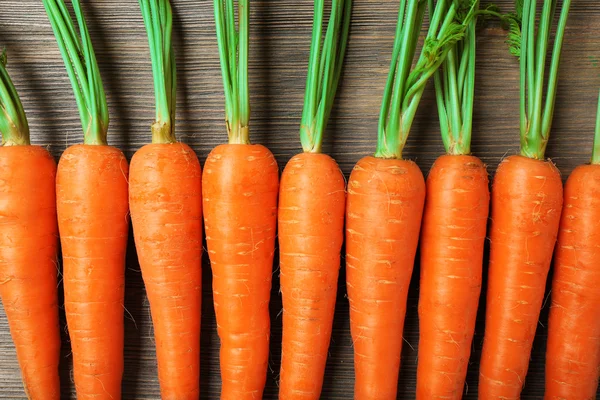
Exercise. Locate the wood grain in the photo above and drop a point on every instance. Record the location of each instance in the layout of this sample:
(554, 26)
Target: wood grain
(280, 36)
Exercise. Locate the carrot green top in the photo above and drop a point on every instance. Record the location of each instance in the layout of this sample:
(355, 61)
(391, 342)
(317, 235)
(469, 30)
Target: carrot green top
(324, 70)
(158, 19)
(80, 62)
(536, 110)
(454, 90)
(13, 122)
(596, 149)
(233, 52)
(404, 86)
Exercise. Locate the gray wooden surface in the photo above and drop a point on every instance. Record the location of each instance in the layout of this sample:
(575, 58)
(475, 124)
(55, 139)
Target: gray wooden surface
(280, 37)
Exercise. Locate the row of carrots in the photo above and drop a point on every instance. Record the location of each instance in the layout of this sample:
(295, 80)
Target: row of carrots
(384, 212)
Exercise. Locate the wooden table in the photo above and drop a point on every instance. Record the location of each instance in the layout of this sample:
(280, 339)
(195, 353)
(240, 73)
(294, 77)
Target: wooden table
(280, 36)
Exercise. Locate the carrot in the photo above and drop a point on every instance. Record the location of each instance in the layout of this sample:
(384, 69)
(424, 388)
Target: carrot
(239, 194)
(526, 207)
(166, 214)
(453, 234)
(311, 219)
(28, 247)
(573, 349)
(386, 196)
(92, 206)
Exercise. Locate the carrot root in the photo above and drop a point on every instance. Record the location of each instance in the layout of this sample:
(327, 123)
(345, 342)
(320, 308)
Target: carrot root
(240, 186)
(526, 206)
(166, 214)
(311, 232)
(92, 205)
(28, 265)
(384, 210)
(573, 349)
(452, 241)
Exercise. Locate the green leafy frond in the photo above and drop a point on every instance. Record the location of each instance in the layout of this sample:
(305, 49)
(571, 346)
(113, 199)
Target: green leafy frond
(82, 67)
(404, 89)
(158, 19)
(233, 53)
(514, 35)
(13, 121)
(324, 71)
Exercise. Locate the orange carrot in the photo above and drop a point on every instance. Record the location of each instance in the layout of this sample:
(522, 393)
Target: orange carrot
(311, 232)
(91, 191)
(240, 185)
(527, 196)
(28, 247)
(239, 193)
(573, 349)
(453, 234)
(311, 219)
(526, 203)
(92, 206)
(452, 239)
(385, 204)
(386, 196)
(166, 214)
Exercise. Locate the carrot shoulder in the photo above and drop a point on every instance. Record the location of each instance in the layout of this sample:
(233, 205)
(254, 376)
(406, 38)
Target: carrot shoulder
(239, 192)
(384, 209)
(573, 349)
(452, 239)
(28, 265)
(526, 207)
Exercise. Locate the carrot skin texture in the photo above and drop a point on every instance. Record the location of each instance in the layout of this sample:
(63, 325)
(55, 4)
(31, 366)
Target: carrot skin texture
(527, 198)
(383, 219)
(166, 213)
(452, 244)
(28, 265)
(311, 231)
(93, 221)
(573, 349)
(240, 186)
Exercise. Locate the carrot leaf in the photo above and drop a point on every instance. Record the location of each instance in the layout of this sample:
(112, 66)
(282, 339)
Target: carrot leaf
(158, 19)
(82, 67)
(233, 54)
(324, 71)
(404, 88)
(13, 121)
(538, 96)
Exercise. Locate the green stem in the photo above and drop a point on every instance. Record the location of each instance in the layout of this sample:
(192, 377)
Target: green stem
(158, 19)
(537, 111)
(596, 149)
(233, 53)
(13, 121)
(404, 87)
(324, 71)
(455, 85)
(78, 54)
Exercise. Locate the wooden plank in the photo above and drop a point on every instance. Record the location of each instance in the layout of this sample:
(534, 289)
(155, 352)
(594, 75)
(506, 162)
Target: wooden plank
(280, 36)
